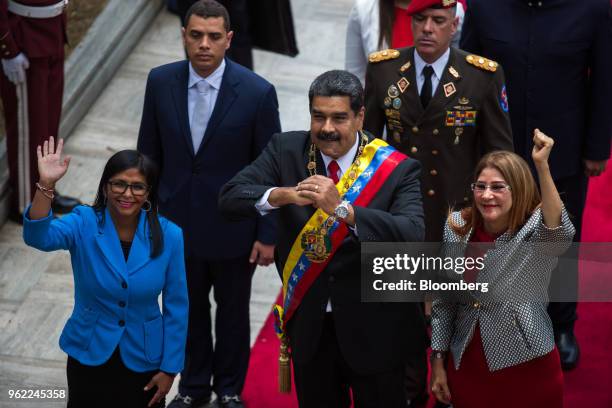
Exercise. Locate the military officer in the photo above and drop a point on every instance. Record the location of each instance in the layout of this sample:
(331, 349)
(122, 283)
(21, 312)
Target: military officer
(438, 105)
(32, 38)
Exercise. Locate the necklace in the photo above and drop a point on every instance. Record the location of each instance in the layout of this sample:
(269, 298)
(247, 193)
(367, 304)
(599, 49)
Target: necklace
(352, 171)
(316, 242)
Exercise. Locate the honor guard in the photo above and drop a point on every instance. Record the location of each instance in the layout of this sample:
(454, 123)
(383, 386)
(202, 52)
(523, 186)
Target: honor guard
(32, 38)
(439, 105)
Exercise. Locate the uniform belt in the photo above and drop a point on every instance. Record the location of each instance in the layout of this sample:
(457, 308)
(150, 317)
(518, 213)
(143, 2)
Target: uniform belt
(51, 11)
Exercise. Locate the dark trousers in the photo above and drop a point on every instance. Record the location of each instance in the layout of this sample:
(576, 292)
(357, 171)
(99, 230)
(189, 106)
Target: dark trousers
(45, 79)
(226, 361)
(564, 279)
(111, 384)
(327, 380)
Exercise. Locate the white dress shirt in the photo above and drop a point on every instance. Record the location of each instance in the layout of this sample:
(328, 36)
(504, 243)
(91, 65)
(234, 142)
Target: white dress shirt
(207, 89)
(438, 67)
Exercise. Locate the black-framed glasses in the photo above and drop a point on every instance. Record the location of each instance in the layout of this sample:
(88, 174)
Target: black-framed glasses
(495, 188)
(120, 187)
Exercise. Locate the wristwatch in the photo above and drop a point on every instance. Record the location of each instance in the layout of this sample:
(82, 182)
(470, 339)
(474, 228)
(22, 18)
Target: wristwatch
(342, 210)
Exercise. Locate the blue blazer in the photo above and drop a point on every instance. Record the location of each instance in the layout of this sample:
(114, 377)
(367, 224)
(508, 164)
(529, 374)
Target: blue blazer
(243, 120)
(116, 302)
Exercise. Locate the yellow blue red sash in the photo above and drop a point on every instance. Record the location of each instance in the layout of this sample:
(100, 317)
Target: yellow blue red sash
(376, 163)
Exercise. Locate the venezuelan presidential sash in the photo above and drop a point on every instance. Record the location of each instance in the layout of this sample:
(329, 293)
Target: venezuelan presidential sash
(369, 172)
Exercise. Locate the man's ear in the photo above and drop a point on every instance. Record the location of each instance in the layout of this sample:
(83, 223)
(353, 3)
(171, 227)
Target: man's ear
(230, 35)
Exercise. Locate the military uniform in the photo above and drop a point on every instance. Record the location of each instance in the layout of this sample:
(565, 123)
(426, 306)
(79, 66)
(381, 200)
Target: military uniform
(466, 117)
(42, 41)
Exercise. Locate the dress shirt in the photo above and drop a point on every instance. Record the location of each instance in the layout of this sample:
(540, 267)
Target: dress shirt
(210, 94)
(438, 67)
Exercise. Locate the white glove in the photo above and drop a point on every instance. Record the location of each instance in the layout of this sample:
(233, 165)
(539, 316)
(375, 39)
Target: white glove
(15, 68)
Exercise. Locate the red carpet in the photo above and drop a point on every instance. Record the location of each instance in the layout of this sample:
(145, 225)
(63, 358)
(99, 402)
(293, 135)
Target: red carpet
(589, 385)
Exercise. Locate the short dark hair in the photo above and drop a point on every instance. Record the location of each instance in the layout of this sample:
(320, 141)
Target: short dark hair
(120, 162)
(207, 9)
(338, 83)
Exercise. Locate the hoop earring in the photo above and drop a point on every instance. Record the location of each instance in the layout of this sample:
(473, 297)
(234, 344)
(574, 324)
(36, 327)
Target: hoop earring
(149, 206)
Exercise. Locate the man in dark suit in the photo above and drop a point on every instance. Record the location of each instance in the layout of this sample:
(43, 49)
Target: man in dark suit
(558, 72)
(205, 119)
(338, 342)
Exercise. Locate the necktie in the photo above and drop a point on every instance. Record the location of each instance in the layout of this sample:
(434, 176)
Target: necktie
(426, 90)
(332, 171)
(201, 114)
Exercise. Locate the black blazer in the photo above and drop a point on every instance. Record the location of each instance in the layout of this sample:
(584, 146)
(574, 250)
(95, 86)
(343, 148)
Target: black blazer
(244, 118)
(372, 336)
(557, 57)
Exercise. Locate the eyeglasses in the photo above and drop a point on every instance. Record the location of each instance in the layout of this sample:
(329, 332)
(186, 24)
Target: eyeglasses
(120, 187)
(496, 188)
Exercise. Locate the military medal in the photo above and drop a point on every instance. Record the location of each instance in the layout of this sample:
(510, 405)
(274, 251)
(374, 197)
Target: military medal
(463, 100)
(449, 89)
(405, 67)
(453, 72)
(403, 84)
(397, 103)
(393, 92)
(387, 101)
(458, 132)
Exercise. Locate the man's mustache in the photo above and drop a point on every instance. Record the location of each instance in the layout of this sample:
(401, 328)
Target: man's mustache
(328, 136)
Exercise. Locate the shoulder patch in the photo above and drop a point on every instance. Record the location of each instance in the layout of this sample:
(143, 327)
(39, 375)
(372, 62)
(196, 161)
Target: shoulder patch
(482, 62)
(383, 55)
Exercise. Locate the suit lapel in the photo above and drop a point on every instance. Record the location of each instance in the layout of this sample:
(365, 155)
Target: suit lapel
(179, 96)
(141, 247)
(108, 243)
(227, 95)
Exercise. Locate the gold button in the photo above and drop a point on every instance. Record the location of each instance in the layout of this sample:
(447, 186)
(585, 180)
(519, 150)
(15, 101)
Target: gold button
(434, 152)
(3, 46)
(431, 193)
(436, 131)
(476, 305)
(466, 199)
(6, 53)
(481, 61)
(414, 149)
(433, 172)
(415, 129)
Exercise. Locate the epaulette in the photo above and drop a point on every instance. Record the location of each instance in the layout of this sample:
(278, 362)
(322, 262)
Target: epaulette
(383, 55)
(482, 62)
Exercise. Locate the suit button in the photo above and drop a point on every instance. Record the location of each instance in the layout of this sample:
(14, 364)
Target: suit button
(121, 323)
(466, 199)
(414, 149)
(415, 129)
(3, 46)
(431, 193)
(433, 172)
(124, 285)
(434, 152)
(435, 132)
(121, 303)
